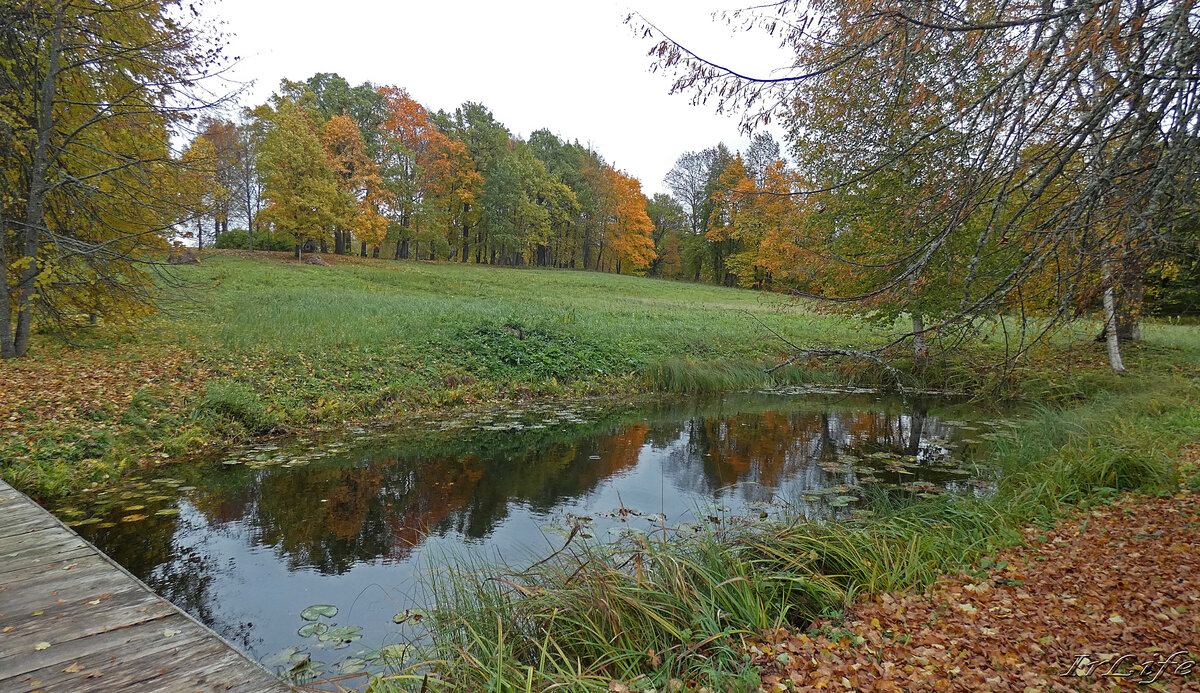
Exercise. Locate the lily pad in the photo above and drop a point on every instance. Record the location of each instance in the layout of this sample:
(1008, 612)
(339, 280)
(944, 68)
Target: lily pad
(343, 634)
(316, 611)
(310, 629)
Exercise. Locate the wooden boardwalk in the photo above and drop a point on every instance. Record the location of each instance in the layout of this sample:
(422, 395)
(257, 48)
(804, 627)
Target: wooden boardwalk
(71, 619)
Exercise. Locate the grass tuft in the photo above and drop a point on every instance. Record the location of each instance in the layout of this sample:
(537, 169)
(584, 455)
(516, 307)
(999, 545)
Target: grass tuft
(235, 404)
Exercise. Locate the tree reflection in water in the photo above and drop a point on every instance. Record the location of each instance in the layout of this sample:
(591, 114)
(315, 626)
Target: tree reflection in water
(328, 531)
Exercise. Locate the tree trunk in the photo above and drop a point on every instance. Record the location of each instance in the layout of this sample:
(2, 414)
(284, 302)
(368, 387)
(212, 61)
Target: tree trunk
(338, 246)
(920, 350)
(363, 249)
(35, 206)
(1110, 322)
(298, 250)
(404, 249)
(6, 326)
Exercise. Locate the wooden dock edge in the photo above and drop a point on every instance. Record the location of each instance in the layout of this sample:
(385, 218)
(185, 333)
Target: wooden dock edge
(30, 584)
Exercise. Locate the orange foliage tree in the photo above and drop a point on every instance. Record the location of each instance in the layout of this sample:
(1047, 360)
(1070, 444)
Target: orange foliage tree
(629, 229)
(359, 182)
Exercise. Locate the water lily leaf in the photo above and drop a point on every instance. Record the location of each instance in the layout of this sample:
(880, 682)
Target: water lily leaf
(414, 615)
(316, 611)
(344, 634)
(133, 518)
(311, 629)
(282, 657)
(167, 511)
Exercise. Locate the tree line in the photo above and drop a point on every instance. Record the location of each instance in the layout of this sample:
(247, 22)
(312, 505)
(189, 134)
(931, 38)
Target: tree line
(369, 170)
(961, 165)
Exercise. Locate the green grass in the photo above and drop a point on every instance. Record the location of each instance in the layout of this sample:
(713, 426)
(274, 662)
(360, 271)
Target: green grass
(318, 344)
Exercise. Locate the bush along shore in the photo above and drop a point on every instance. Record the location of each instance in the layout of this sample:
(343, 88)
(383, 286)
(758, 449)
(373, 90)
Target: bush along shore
(689, 611)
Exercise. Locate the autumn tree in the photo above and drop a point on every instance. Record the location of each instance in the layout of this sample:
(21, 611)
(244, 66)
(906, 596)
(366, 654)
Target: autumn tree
(1063, 137)
(89, 94)
(416, 154)
(227, 164)
(750, 212)
(247, 184)
(629, 229)
(487, 142)
(359, 184)
(202, 193)
(326, 95)
(299, 184)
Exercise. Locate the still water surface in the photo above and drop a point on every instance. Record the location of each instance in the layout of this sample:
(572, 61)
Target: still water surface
(246, 541)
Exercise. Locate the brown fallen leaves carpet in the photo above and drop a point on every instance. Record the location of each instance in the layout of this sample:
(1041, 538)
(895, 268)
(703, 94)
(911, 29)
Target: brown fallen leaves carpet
(1119, 585)
(86, 387)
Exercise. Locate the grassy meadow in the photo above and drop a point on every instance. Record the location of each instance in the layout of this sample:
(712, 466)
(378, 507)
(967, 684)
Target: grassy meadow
(255, 344)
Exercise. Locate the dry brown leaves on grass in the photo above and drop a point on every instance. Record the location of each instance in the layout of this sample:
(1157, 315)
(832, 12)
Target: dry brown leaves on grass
(1119, 585)
(87, 388)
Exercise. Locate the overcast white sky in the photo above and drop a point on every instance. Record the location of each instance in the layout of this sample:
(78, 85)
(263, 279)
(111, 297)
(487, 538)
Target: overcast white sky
(570, 66)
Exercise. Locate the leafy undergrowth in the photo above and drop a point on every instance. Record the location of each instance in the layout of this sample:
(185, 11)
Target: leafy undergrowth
(1109, 597)
(73, 415)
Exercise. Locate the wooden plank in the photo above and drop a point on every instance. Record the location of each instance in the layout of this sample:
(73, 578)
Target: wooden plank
(41, 563)
(41, 544)
(78, 620)
(39, 541)
(71, 619)
(202, 665)
(141, 640)
(18, 517)
(85, 581)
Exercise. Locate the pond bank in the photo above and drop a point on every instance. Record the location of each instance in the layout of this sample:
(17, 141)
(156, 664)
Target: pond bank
(1109, 596)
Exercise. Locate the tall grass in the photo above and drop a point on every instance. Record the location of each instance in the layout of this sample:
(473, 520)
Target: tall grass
(669, 609)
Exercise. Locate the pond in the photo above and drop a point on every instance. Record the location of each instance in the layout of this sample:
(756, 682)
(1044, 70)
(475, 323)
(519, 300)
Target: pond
(247, 541)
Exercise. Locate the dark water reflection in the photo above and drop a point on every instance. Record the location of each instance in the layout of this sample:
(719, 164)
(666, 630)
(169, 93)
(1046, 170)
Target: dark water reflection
(246, 543)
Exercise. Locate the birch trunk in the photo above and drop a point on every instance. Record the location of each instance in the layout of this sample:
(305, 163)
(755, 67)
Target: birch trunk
(920, 350)
(1110, 323)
